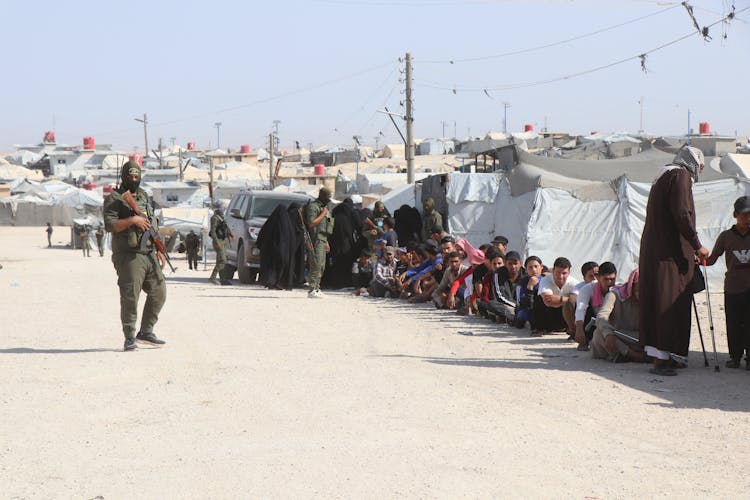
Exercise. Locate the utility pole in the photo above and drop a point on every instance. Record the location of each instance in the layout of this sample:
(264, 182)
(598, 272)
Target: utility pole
(218, 134)
(640, 130)
(144, 121)
(454, 129)
(409, 124)
(356, 159)
(443, 124)
(506, 105)
(689, 130)
(161, 164)
(271, 140)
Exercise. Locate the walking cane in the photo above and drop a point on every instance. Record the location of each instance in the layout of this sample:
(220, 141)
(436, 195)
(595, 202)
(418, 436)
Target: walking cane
(710, 317)
(700, 333)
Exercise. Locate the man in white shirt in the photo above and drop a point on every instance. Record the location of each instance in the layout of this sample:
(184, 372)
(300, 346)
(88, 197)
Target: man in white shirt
(554, 293)
(589, 302)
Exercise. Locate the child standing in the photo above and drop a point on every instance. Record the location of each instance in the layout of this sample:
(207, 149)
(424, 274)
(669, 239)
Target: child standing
(735, 242)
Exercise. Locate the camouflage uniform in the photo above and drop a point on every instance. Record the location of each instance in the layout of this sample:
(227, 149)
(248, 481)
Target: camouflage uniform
(219, 241)
(100, 241)
(136, 269)
(430, 219)
(319, 236)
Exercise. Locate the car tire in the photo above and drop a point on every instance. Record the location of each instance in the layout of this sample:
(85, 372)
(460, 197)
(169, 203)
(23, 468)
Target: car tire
(246, 275)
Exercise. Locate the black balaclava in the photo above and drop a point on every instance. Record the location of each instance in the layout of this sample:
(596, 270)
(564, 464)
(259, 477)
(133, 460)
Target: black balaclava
(129, 169)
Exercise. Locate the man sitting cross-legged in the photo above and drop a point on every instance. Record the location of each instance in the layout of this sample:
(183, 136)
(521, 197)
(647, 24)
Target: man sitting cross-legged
(554, 293)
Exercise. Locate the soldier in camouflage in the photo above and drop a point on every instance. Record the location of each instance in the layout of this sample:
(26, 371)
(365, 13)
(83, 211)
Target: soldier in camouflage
(137, 269)
(319, 223)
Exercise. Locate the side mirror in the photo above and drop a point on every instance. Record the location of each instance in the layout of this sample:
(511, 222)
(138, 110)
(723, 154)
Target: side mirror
(235, 212)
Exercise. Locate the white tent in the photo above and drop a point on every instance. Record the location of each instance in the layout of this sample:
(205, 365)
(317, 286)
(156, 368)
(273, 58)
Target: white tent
(547, 214)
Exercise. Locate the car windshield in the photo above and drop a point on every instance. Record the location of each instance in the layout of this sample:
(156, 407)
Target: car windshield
(262, 207)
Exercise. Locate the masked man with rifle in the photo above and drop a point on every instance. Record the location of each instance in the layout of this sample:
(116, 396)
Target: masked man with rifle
(129, 216)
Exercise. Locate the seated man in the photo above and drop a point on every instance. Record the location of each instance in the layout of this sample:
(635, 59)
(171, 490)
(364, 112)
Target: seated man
(528, 288)
(389, 232)
(501, 243)
(384, 281)
(589, 301)
(362, 270)
(589, 271)
(504, 288)
(493, 261)
(452, 272)
(554, 292)
(423, 272)
(616, 334)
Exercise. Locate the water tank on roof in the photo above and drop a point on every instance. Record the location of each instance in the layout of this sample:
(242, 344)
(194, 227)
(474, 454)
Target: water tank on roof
(49, 137)
(245, 149)
(704, 128)
(136, 157)
(319, 169)
(190, 146)
(88, 143)
(528, 127)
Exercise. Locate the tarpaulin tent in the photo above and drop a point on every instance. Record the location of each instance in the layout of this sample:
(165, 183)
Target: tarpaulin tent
(553, 208)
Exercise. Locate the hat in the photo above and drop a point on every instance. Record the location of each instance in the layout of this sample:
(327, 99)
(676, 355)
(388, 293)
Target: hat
(390, 250)
(742, 205)
(398, 249)
(500, 239)
(379, 242)
(437, 228)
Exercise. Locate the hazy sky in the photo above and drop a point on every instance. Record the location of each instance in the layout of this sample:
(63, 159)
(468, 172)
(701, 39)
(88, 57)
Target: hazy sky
(324, 67)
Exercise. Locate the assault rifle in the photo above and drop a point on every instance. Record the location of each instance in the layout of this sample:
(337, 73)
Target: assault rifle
(150, 234)
(308, 240)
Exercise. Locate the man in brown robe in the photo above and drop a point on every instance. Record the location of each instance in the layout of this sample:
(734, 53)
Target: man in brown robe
(669, 245)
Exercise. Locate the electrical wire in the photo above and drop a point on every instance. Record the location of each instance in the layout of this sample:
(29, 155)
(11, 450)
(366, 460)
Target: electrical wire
(641, 56)
(552, 44)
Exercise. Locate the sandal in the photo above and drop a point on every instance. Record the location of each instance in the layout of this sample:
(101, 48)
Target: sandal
(583, 347)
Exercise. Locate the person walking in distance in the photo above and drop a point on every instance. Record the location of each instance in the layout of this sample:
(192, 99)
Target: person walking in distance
(192, 244)
(85, 241)
(320, 225)
(139, 267)
(49, 235)
(219, 234)
(100, 240)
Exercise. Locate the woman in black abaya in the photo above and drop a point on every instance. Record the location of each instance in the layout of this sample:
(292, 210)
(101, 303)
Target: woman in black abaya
(275, 241)
(346, 243)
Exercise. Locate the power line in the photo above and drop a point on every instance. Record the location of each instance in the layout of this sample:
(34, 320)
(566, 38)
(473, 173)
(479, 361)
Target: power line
(256, 102)
(553, 44)
(641, 57)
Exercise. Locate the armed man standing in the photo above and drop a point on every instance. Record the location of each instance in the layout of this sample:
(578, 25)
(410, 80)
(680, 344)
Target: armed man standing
(219, 233)
(136, 260)
(320, 224)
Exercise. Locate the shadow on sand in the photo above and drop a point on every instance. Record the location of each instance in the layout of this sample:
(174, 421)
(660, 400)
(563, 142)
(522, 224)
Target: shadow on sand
(30, 350)
(694, 387)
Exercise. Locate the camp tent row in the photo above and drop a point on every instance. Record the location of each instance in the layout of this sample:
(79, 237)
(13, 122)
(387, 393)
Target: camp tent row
(579, 209)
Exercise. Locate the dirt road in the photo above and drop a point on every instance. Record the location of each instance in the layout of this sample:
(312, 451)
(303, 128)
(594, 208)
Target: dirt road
(267, 394)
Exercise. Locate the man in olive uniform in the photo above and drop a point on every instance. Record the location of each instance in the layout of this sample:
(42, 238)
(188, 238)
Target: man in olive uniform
(319, 223)
(219, 233)
(192, 244)
(100, 240)
(85, 241)
(136, 269)
(430, 218)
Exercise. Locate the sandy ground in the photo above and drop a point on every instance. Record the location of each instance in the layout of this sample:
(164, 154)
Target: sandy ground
(262, 394)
